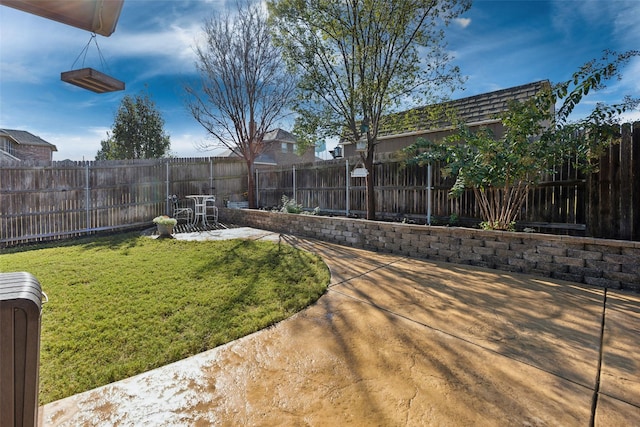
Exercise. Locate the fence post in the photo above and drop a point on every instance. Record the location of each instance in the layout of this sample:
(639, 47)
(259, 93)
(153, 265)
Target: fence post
(429, 189)
(166, 199)
(347, 186)
(635, 177)
(257, 189)
(211, 178)
(87, 197)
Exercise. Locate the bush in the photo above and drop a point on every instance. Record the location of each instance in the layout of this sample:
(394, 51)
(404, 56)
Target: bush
(291, 206)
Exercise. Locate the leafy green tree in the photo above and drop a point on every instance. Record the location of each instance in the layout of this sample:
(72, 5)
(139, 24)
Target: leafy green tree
(500, 171)
(244, 88)
(137, 133)
(360, 60)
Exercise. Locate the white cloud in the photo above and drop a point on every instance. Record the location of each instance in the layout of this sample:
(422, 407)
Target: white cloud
(19, 72)
(628, 84)
(620, 15)
(173, 43)
(99, 132)
(31, 46)
(631, 116)
(630, 81)
(75, 146)
(566, 14)
(463, 22)
(81, 145)
(191, 145)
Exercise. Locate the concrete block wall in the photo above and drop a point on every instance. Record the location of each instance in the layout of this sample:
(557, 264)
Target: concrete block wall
(598, 262)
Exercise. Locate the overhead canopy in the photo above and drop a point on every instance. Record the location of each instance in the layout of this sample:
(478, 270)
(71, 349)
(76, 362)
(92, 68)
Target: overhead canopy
(97, 16)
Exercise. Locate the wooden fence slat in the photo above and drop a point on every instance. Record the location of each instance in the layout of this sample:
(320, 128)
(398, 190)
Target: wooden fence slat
(604, 193)
(614, 191)
(634, 192)
(625, 180)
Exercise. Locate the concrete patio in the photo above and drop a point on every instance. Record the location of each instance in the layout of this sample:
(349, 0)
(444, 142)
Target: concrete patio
(400, 342)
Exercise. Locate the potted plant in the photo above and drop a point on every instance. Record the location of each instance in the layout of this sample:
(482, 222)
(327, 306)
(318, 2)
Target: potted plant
(165, 225)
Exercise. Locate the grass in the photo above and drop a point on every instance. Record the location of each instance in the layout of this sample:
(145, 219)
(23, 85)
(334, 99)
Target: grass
(122, 305)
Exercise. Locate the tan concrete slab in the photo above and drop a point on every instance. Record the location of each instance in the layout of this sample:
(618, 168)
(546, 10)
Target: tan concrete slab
(616, 413)
(394, 342)
(339, 362)
(620, 377)
(550, 324)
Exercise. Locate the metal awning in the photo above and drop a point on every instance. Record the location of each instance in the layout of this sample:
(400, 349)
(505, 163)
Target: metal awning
(97, 16)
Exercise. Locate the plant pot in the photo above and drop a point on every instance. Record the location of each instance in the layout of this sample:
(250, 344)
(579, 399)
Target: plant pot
(165, 230)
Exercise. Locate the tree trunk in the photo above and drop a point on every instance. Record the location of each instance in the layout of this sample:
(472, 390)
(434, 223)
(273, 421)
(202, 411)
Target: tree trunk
(251, 185)
(371, 195)
(500, 206)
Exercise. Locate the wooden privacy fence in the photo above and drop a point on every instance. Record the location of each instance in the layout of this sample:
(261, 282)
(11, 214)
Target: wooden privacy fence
(61, 199)
(605, 204)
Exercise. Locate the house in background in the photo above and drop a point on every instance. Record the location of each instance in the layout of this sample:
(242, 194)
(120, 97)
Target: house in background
(283, 146)
(22, 145)
(281, 149)
(404, 128)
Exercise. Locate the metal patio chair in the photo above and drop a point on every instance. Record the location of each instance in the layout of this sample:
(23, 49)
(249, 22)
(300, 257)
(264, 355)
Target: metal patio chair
(211, 210)
(181, 211)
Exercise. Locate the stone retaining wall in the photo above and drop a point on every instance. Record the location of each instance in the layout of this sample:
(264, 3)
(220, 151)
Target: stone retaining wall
(598, 262)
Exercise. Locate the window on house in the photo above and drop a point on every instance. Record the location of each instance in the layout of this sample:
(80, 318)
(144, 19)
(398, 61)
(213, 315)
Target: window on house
(284, 147)
(6, 145)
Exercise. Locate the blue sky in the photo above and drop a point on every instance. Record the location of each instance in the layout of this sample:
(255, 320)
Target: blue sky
(497, 44)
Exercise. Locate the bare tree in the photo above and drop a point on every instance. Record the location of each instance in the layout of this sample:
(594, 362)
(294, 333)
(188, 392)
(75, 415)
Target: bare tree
(244, 89)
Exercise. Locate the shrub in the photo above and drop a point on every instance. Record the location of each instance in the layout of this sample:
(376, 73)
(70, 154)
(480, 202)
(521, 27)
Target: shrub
(291, 206)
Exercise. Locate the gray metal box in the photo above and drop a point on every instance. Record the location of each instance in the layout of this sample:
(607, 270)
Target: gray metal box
(20, 308)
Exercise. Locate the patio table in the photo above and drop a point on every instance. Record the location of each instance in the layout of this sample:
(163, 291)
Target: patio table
(200, 211)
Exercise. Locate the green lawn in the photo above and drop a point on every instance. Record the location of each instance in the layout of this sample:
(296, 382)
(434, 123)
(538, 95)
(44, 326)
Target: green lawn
(122, 305)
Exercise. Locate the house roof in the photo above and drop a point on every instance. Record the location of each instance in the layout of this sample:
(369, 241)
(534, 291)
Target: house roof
(279, 135)
(262, 159)
(6, 156)
(275, 135)
(265, 159)
(22, 137)
(473, 109)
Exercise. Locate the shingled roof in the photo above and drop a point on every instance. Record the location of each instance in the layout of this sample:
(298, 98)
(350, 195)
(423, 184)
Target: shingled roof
(23, 137)
(279, 135)
(473, 109)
